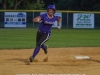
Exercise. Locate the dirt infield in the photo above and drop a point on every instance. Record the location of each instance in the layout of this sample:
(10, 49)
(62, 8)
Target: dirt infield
(60, 61)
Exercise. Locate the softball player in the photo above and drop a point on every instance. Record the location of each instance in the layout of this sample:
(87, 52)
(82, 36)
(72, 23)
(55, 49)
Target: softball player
(43, 34)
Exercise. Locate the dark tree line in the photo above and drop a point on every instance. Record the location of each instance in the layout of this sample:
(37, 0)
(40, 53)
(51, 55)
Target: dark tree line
(89, 5)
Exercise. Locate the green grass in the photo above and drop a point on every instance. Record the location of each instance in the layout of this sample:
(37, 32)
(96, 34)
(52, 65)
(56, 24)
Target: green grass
(25, 38)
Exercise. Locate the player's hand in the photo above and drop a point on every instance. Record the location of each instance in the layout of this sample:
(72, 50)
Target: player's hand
(40, 21)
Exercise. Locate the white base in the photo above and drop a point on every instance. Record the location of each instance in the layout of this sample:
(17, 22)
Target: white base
(81, 57)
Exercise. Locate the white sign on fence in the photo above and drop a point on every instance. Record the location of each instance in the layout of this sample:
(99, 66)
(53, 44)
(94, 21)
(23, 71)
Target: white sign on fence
(56, 14)
(15, 19)
(82, 20)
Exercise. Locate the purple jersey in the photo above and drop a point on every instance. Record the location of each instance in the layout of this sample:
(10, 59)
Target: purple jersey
(46, 24)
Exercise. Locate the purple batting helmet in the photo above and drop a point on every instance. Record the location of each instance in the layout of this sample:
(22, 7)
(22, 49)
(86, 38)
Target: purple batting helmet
(51, 7)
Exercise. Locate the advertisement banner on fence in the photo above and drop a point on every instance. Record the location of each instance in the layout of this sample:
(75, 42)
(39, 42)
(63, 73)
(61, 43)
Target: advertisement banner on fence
(81, 20)
(56, 14)
(15, 19)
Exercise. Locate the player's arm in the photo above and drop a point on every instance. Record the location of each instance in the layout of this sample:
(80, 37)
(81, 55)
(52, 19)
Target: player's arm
(58, 23)
(37, 19)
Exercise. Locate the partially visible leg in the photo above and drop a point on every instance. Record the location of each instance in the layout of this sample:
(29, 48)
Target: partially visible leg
(44, 48)
(36, 50)
(38, 36)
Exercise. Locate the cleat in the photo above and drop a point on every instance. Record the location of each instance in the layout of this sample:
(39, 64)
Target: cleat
(45, 50)
(31, 59)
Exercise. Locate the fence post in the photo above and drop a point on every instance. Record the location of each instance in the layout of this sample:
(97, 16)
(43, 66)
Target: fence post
(67, 19)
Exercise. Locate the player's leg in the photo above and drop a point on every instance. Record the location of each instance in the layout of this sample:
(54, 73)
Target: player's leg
(43, 46)
(41, 41)
(38, 36)
(36, 50)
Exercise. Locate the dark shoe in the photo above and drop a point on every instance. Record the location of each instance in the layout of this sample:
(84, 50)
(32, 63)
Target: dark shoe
(31, 59)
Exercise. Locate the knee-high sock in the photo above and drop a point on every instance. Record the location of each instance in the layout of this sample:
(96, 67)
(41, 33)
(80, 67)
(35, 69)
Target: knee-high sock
(43, 46)
(37, 49)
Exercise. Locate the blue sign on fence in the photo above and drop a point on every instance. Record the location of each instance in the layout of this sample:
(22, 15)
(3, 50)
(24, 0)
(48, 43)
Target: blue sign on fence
(15, 19)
